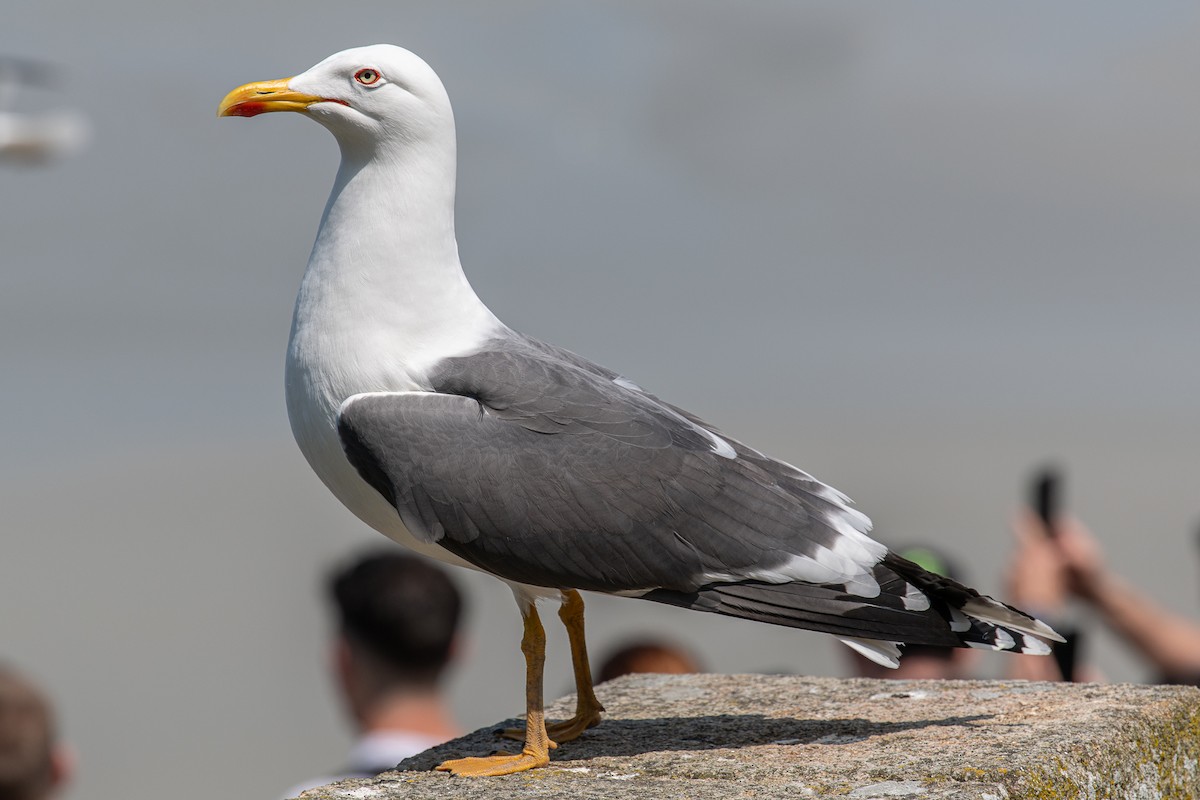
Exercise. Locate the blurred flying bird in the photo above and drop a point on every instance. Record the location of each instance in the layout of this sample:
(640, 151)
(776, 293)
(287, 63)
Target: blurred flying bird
(35, 137)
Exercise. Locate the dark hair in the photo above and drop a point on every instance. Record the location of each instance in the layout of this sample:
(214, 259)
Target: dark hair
(399, 608)
(26, 739)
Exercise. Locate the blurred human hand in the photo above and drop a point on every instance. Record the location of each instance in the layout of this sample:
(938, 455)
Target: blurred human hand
(1081, 557)
(1038, 579)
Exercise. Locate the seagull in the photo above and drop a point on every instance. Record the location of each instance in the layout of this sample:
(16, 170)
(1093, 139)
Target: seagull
(451, 433)
(35, 138)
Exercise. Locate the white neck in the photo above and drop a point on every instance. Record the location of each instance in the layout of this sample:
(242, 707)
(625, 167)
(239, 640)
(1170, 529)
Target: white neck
(384, 296)
(383, 300)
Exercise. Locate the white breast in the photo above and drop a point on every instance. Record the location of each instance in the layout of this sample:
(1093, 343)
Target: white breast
(383, 300)
(334, 356)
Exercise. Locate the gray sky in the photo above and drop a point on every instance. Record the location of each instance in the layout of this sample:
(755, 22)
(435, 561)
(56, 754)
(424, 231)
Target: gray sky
(914, 249)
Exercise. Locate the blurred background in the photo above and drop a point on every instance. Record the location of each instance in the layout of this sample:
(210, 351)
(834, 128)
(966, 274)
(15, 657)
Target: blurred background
(915, 249)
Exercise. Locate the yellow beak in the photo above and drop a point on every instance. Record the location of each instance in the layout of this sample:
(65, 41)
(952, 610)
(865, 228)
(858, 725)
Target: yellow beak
(259, 98)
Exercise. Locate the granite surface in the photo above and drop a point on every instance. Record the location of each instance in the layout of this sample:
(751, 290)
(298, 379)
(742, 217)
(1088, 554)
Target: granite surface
(761, 736)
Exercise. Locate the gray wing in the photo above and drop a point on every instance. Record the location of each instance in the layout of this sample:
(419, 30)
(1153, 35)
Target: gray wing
(535, 465)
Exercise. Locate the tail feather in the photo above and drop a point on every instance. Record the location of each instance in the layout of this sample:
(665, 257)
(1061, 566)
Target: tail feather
(992, 623)
(990, 611)
(914, 606)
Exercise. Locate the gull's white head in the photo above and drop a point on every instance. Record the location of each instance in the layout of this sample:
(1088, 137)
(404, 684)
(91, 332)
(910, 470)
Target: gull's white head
(368, 97)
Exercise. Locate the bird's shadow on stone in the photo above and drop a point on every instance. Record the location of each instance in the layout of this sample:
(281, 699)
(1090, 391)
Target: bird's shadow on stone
(629, 737)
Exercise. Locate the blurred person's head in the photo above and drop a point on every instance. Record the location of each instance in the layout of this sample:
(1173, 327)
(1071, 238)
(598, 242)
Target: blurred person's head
(921, 661)
(648, 656)
(33, 764)
(397, 618)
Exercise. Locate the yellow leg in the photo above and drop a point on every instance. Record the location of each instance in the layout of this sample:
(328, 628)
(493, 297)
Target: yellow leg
(587, 707)
(536, 752)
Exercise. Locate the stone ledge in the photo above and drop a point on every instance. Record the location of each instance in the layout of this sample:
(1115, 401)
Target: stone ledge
(760, 736)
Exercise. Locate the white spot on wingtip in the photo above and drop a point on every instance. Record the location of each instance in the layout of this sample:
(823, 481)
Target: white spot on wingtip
(958, 621)
(1004, 641)
(1035, 647)
(886, 654)
(915, 599)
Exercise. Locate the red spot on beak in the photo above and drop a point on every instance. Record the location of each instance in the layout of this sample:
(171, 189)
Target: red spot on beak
(246, 110)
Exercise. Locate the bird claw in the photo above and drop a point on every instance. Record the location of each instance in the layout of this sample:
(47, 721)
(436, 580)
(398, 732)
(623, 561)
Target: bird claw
(499, 764)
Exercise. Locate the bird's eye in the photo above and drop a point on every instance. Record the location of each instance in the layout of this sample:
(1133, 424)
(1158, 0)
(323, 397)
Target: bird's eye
(367, 76)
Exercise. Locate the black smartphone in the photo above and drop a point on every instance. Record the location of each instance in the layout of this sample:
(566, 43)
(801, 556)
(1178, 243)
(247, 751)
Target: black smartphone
(1046, 496)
